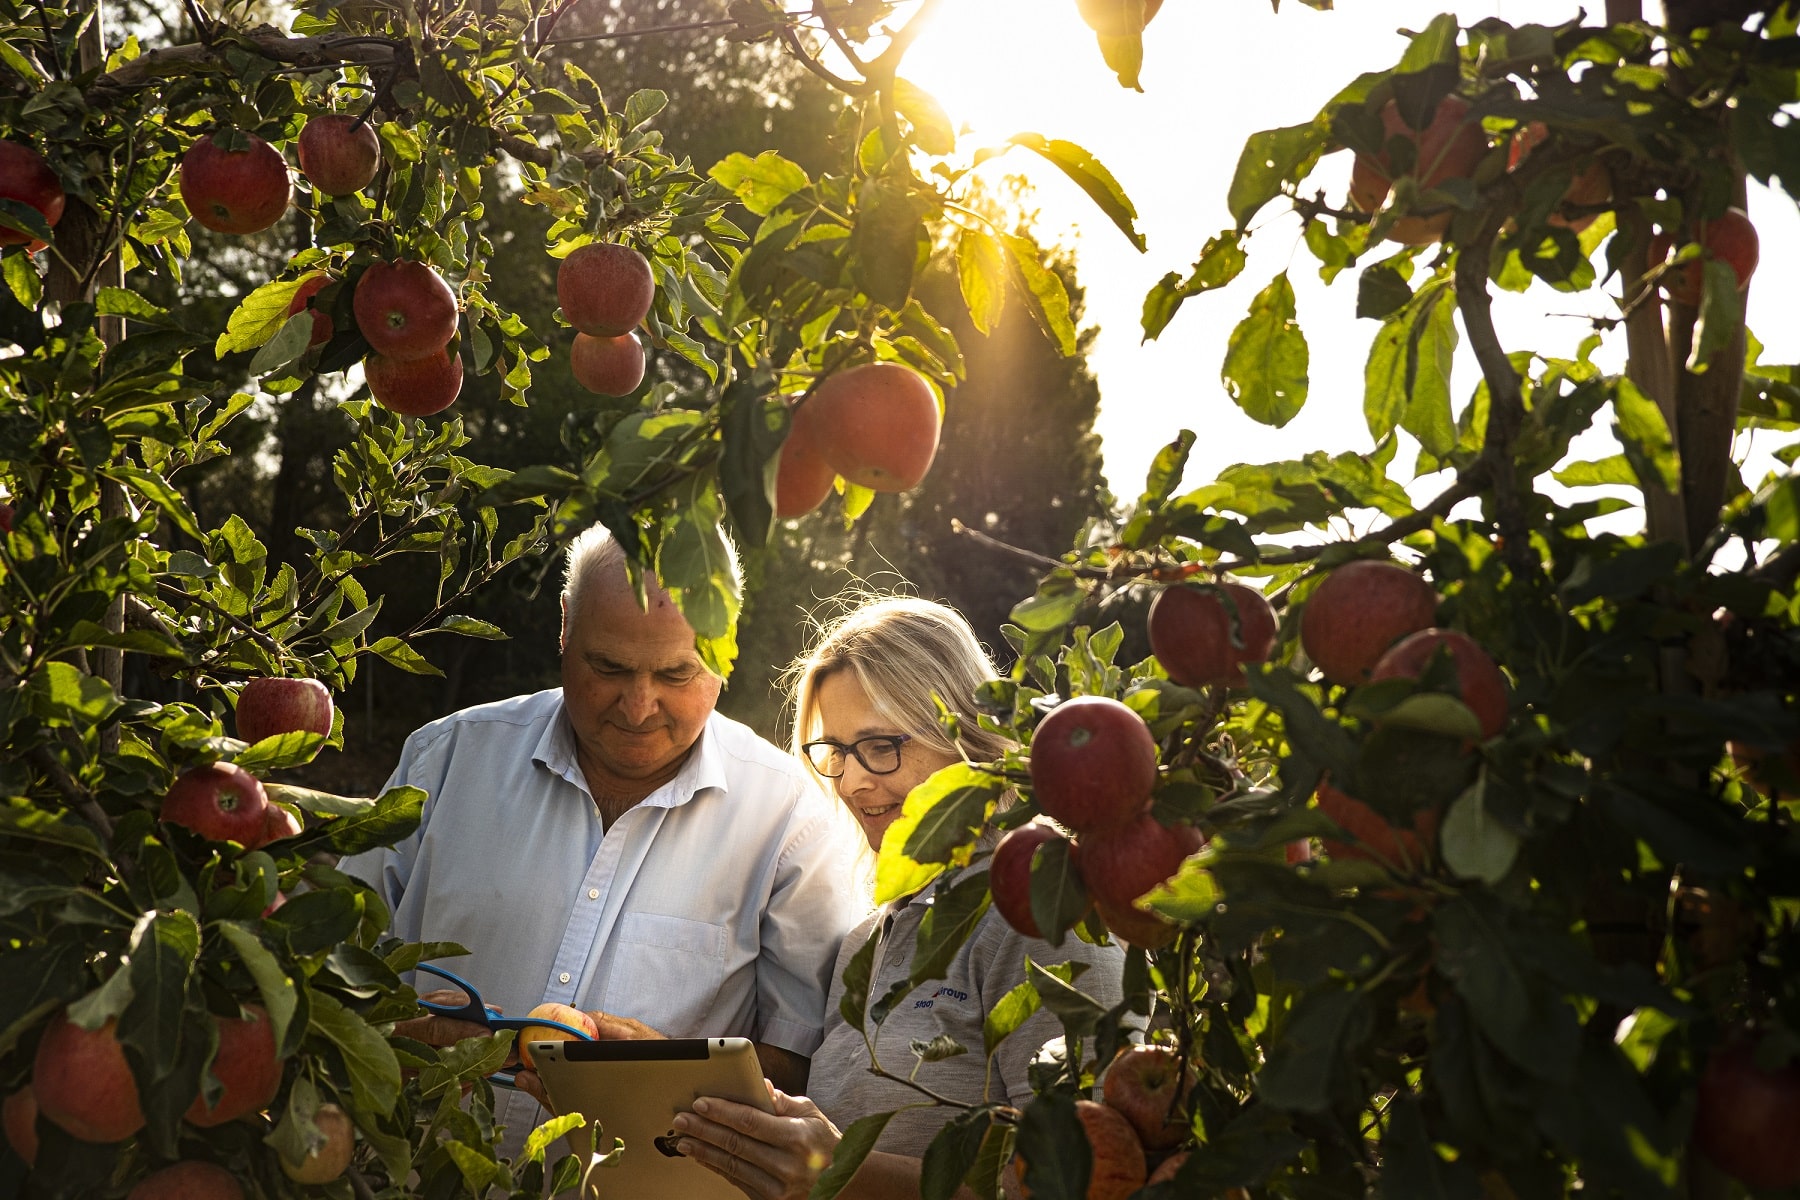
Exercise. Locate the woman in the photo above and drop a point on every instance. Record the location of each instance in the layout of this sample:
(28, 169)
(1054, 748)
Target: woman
(865, 722)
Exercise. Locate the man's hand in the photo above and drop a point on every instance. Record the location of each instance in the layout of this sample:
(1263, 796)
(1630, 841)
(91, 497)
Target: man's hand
(768, 1157)
(440, 1031)
(624, 1029)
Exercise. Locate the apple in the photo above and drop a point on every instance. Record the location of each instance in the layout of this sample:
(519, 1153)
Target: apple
(1748, 1119)
(27, 178)
(405, 310)
(275, 904)
(245, 1064)
(6, 518)
(339, 154)
(222, 803)
(1357, 612)
(415, 387)
(565, 1013)
(1774, 779)
(330, 1158)
(1479, 683)
(1146, 1084)
(877, 425)
(278, 824)
(605, 289)
(802, 478)
(19, 1117)
(1448, 147)
(1375, 838)
(1730, 237)
(1009, 874)
(1298, 851)
(235, 191)
(1592, 186)
(1118, 18)
(270, 707)
(1191, 633)
(607, 366)
(188, 1181)
(1119, 1166)
(1123, 863)
(322, 327)
(1145, 930)
(83, 1084)
(1093, 763)
(1166, 1170)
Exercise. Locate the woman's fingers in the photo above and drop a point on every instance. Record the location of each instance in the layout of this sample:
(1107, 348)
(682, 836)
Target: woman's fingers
(750, 1179)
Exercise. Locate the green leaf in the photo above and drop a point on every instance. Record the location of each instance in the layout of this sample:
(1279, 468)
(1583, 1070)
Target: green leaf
(1265, 366)
(953, 915)
(1644, 433)
(161, 493)
(932, 130)
(1078, 1011)
(164, 947)
(1058, 897)
(397, 653)
(1091, 177)
(1270, 159)
(280, 751)
(642, 106)
(394, 815)
(279, 995)
(754, 427)
(22, 278)
(473, 627)
(1014, 1009)
(1058, 1157)
(952, 805)
(63, 694)
(1473, 844)
(22, 820)
(1297, 1076)
(952, 1153)
(1612, 470)
(1044, 293)
(258, 318)
(886, 243)
(857, 975)
(346, 629)
(553, 1130)
(1406, 381)
(981, 270)
(695, 564)
(847, 1158)
(1222, 260)
(477, 1169)
(760, 183)
(374, 1071)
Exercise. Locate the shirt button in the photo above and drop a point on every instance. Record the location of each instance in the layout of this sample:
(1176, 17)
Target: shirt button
(563, 978)
(593, 893)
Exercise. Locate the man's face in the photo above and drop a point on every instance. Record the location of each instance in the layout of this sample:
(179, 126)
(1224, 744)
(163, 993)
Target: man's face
(636, 693)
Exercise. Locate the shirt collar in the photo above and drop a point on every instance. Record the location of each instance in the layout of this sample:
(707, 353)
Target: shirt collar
(704, 769)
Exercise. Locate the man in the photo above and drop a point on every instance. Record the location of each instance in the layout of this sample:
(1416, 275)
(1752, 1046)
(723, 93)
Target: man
(617, 845)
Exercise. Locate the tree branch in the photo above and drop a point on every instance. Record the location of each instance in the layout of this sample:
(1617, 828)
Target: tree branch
(1506, 398)
(326, 50)
(78, 797)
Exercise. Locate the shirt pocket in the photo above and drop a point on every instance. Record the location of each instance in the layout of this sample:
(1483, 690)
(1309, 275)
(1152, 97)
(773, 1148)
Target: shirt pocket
(667, 972)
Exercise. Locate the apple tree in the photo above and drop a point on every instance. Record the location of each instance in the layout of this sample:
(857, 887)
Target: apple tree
(1456, 857)
(194, 994)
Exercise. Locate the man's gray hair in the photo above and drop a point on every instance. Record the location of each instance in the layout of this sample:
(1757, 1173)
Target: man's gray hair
(596, 550)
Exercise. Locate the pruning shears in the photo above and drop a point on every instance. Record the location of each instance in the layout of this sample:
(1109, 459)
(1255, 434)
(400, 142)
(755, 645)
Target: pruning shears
(476, 1012)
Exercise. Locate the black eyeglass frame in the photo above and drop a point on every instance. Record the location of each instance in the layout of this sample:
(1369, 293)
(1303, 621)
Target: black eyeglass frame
(855, 749)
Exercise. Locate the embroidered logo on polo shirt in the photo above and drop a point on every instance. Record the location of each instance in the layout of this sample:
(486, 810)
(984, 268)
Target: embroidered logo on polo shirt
(944, 992)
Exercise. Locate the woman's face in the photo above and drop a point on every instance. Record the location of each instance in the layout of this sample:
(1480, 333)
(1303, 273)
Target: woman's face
(846, 717)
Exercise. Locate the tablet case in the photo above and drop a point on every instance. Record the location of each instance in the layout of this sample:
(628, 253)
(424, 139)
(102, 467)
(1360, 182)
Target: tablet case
(632, 1091)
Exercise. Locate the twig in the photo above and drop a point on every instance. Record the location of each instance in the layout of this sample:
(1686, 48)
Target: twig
(619, 35)
(849, 87)
(1506, 399)
(79, 798)
(258, 636)
(332, 49)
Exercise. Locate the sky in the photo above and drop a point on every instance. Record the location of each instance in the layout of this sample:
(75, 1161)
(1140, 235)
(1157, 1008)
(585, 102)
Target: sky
(1217, 71)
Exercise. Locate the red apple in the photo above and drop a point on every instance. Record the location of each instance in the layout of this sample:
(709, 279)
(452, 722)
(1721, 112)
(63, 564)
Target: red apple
(802, 478)
(1145, 930)
(1449, 147)
(1479, 683)
(1592, 186)
(1357, 612)
(1191, 633)
(1402, 848)
(1147, 1084)
(188, 1181)
(339, 155)
(877, 425)
(1123, 863)
(1119, 1166)
(1298, 851)
(6, 518)
(1009, 875)
(607, 366)
(245, 1064)
(269, 707)
(278, 823)
(1748, 1119)
(564, 1014)
(1731, 237)
(417, 387)
(331, 1157)
(322, 328)
(235, 191)
(19, 1116)
(405, 310)
(1093, 763)
(222, 803)
(605, 289)
(83, 1084)
(27, 178)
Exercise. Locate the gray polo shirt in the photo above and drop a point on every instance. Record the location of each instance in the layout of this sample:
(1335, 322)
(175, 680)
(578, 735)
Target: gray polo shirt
(989, 965)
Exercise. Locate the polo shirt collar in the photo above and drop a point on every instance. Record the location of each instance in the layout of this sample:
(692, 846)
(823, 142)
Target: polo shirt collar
(704, 769)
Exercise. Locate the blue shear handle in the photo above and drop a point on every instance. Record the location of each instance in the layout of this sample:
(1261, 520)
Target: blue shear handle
(521, 1024)
(472, 1010)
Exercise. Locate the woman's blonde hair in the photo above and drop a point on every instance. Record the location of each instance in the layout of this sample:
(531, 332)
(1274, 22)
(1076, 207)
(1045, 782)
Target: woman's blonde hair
(903, 652)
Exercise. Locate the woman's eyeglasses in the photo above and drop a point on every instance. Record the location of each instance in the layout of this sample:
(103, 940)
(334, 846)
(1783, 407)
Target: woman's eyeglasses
(878, 755)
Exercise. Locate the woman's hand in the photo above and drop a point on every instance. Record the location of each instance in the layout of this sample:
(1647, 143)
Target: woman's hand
(768, 1156)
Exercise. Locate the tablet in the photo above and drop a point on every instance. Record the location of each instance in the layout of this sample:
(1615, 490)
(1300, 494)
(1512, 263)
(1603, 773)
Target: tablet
(632, 1091)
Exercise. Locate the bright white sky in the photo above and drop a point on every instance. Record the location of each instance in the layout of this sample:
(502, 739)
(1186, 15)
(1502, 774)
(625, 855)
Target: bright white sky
(1215, 72)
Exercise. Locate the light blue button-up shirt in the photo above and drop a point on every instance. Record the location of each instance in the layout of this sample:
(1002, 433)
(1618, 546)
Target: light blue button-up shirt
(714, 908)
